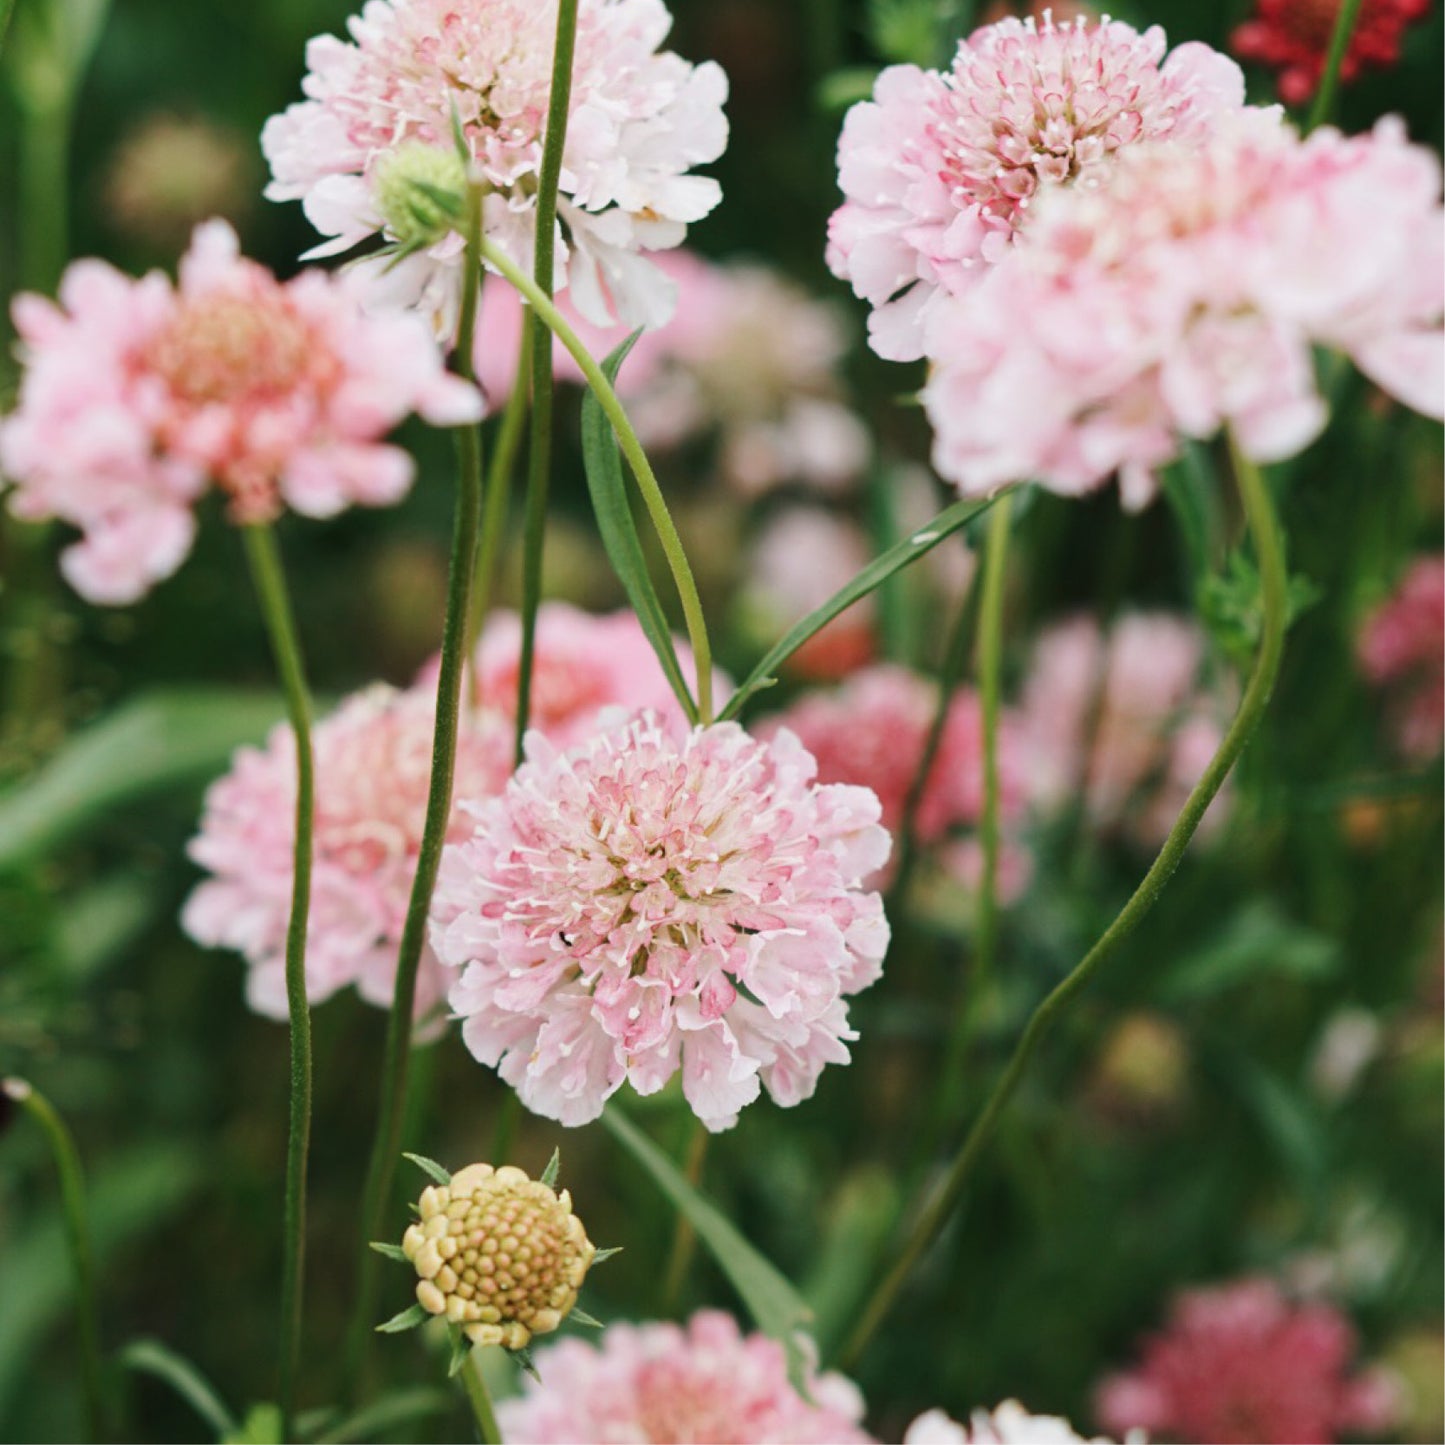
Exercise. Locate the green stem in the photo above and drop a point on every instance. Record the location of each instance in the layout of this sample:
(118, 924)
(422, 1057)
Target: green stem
(387, 1144)
(271, 592)
(1344, 29)
(1264, 528)
(476, 1387)
(7, 9)
(684, 1239)
(77, 1234)
(636, 458)
(990, 669)
(539, 458)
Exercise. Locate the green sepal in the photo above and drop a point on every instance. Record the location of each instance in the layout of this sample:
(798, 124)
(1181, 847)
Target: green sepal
(390, 1251)
(523, 1357)
(461, 1348)
(549, 1174)
(430, 1167)
(408, 1319)
(606, 1254)
(581, 1317)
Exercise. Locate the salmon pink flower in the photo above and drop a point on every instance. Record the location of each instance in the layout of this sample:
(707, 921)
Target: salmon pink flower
(1184, 292)
(665, 1382)
(939, 170)
(657, 899)
(640, 120)
(138, 395)
(373, 769)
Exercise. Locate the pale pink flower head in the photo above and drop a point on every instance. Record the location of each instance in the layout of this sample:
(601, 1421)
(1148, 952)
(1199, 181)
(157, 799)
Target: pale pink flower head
(1184, 291)
(1401, 648)
(939, 170)
(641, 119)
(1241, 1363)
(1009, 1424)
(1119, 722)
(658, 899)
(373, 768)
(873, 730)
(137, 395)
(702, 1382)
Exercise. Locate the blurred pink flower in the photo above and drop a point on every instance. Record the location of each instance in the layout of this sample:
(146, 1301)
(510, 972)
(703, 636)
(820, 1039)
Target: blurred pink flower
(138, 394)
(1183, 292)
(657, 899)
(640, 120)
(705, 1381)
(1121, 722)
(583, 663)
(1240, 1363)
(1402, 648)
(939, 169)
(373, 767)
(1010, 1424)
(872, 731)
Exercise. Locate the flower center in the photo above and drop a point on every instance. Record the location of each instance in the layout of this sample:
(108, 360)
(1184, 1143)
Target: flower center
(226, 349)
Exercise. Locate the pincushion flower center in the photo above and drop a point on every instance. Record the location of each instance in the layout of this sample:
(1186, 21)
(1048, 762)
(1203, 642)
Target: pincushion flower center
(221, 349)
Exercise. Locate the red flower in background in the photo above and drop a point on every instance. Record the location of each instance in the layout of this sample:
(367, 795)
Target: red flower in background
(1293, 36)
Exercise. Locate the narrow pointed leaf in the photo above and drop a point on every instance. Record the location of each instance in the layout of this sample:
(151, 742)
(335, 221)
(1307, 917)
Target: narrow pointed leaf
(581, 1317)
(778, 1309)
(391, 1251)
(408, 1319)
(910, 549)
(430, 1168)
(603, 1255)
(150, 1357)
(461, 1348)
(608, 488)
(524, 1360)
(554, 1164)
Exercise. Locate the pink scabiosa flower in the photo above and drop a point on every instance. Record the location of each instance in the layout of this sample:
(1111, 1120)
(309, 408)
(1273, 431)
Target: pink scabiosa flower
(670, 1383)
(658, 899)
(137, 395)
(640, 120)
(1184, 292)
(1120, 722)
(872, 732)
(1402, 649)
(373, 768)
(1293, 37)
(1010, 1424)
(1241, 1363)
(939, 170)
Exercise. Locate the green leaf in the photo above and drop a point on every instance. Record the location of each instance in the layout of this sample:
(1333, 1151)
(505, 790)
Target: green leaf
(778, 1309)
(430, 1167)
(581, 1317)
(910, 549)
(408, 1319)
(461, 1348)
(524, 1360)
(603, 1255)
(150, 1357)
(554, 1164)
(608, 488)
(262, 1426)
(390, 1251)
(155, 741)
(383, 1418)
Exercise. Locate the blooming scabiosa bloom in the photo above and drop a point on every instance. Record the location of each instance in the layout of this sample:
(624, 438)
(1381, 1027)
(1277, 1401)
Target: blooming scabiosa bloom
(1240, 1363)
(1402, 647)
(1184, 292)
(1120, 722)
(138, 394)
(1293, 37)
(939, 170)
(640, 119)
(373, 768)
(669, 1383)
(655, 899)
(1010, 1424)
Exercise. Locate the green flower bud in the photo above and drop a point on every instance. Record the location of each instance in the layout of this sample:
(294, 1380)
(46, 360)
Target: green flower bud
(419, 190)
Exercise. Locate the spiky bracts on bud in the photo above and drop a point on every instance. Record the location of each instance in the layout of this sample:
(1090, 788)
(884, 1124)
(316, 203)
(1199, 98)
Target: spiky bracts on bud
(420, 192)
(499, 1254)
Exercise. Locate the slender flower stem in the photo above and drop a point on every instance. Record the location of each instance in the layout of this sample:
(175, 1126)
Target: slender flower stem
(539, 459)
(636, 458)
(1269, 546)
(270, 584)
(466, 527)
(684, 1239)
(1349, 14)
(77, 1234)
(476, 1386)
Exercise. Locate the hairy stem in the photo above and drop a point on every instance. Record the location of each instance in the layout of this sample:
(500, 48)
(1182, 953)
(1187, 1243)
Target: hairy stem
(387, 1143)
(1324, 104)
(636, 459)
(935, 1213)
(271, 592)
(539, 459)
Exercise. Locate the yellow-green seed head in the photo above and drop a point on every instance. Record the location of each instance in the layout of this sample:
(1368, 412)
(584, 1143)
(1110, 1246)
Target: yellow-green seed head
(499, 1254)
(411, 183)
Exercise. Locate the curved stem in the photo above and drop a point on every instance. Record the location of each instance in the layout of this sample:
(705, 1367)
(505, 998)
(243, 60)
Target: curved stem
(387, 1143)
(270, 583)
(1264, 528)
(77, 1235)
(636, 458)
(476, 1387)
(539, 459)
(1340, 37)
